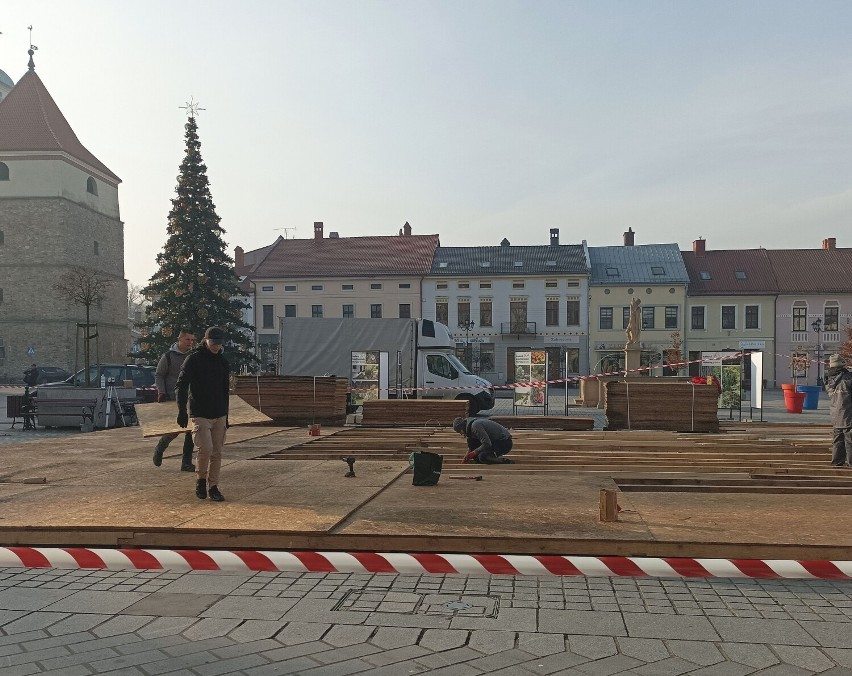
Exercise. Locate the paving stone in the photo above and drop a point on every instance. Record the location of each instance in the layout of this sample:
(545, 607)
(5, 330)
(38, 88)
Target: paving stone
(698, 652)
(166, 626)
(338, 668)
(22, 598)
(724, 669)
(67, 661)
(33, 622)
(455, 670)
(162, 604)
(673, 666)
(99, 602)
(750, 654)
(219, 585)
(842, 656)
(317, 610)
(395, 637)
(255, 630)
(592, 647)
(299, 650)
(806, 658)
(231, 666)
(489, 642)
(785, 670)
(616, 664)
(126, 661)
(121, 624)
(75, 623)
(346, 634)
(187, 662)
(508, 619)
(645, 649)
(447, 657)
(401, 654)
(250, 608)
(581, 622)
(829, 634)
(443, 639)
(500, 660)
(541, 644)
(551, 664)
(198, 646)
(693, 628)
(747, 630)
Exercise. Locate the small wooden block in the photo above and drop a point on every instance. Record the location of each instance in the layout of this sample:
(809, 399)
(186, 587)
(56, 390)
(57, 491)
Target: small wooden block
(609, 504)
(34, 480)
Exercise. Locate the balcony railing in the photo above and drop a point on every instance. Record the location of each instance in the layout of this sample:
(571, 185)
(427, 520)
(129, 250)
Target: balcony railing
(518, 328)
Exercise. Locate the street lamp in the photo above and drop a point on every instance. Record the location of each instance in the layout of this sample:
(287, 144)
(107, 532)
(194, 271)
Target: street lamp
(466, 326)
(817, 327)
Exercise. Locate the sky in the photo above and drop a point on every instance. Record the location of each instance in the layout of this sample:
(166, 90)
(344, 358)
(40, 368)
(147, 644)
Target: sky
(472, 119)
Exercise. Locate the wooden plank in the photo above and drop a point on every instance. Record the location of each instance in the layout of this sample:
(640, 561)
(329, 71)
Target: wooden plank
(157, 419)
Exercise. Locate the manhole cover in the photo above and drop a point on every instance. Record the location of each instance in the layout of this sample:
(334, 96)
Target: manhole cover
(458, 605)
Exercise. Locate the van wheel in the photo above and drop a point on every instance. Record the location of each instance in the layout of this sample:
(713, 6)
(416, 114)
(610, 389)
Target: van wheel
(472, 404)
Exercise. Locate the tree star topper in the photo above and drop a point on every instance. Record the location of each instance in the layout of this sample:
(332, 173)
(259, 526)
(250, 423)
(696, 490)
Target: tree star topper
(192, 107)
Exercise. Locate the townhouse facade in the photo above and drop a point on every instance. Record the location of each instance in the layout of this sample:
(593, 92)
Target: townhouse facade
(731, 307)
(813, 307)
(360, 277)
(656, 275)
(499, 300)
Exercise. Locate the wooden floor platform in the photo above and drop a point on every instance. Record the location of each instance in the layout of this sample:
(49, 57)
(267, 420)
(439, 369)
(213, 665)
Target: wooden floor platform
(763, 491)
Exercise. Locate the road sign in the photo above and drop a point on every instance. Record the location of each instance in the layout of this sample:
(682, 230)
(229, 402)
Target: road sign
(31, 350)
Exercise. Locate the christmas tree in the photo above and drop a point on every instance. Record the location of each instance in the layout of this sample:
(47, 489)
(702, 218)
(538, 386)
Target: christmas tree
(195, 286)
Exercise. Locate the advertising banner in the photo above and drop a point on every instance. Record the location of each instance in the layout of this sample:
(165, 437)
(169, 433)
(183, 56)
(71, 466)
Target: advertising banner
(364, 376)
(531, 367)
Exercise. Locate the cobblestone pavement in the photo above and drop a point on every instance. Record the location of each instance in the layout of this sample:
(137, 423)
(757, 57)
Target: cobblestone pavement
(74, 622)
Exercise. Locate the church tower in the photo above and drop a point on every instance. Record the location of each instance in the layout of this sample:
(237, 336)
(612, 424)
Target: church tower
(58, 211)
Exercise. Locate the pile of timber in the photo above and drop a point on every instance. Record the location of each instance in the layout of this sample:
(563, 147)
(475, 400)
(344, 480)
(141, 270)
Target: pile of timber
(296, 400)
(550, 422)
(407, 412)
(641, 405)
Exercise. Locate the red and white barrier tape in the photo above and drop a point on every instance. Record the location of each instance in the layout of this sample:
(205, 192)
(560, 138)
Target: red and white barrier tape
(416, 563)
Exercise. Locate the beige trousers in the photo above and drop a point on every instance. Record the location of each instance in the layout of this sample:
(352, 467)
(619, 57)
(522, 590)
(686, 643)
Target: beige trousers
(209, 437)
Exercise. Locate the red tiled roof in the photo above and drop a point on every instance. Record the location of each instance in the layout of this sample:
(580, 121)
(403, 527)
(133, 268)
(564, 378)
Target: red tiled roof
(30, 120)
(348, 257)
(723, 267)
(812, 270)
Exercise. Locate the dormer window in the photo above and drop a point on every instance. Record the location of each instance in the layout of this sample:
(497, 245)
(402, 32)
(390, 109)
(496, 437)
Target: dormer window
(519, 264)
(91, 186)
(740, 274)
(443, 264)
(657, 270)
(612, 272)
(4, 171)
(485, 264)
(704, 275)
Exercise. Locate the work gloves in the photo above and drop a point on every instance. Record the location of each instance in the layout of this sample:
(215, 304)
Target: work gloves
(161, 397)
(183, 419)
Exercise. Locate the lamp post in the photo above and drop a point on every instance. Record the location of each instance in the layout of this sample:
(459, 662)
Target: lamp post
(817, 327)
(466, 326)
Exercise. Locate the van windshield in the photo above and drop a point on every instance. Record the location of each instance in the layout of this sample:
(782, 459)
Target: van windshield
(455, 362)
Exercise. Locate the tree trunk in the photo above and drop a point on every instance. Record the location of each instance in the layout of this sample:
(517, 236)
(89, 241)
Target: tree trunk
(86, 349)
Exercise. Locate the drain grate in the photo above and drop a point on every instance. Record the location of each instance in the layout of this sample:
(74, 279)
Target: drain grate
(412, 603)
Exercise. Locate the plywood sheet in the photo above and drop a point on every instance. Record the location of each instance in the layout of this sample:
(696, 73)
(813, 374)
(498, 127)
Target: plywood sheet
(157, 419)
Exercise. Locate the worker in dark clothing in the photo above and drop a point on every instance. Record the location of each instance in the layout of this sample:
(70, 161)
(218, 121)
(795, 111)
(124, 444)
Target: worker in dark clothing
(838, 384)
(488, 441)
(203, 384)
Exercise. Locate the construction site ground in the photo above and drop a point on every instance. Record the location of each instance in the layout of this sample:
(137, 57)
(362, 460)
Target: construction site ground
(756, 490)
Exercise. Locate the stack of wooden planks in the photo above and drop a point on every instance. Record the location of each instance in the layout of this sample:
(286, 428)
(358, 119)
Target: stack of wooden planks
(407, 412)
(540, 422)
(296, 400)
(641, 405)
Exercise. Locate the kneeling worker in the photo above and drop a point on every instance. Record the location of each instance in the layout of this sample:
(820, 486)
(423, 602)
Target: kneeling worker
(487, 440)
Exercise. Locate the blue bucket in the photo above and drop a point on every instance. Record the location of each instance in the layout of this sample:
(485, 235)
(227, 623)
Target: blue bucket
(811, 393)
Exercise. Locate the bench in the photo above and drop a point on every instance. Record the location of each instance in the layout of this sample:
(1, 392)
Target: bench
(83, 408)
(21, 406)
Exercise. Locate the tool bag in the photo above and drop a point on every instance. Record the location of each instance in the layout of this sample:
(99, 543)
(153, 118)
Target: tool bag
(427, 468)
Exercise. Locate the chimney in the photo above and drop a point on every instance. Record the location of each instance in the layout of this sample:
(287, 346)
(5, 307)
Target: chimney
(334, 235)
(505, 242)
(829, 243)
(239, 257)
(628, 237)
(317, 229)
(554, 237)
(698, 247)
(406, 230)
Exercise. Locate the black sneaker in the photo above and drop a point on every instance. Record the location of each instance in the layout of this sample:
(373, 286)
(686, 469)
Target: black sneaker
(158, 455)
(187, 468)
(215, 495)
(201, 489)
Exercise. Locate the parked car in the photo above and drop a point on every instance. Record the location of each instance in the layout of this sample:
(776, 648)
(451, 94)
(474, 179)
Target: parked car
(50, 374)
(101, 374)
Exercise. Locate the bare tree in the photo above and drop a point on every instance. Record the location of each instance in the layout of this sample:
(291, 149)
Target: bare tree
(136, 302)
(86, 287)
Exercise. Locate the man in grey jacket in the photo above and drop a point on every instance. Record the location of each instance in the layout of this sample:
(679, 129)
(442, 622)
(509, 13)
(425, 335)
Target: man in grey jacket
(838, 384)
(168, 369)
(488, 441)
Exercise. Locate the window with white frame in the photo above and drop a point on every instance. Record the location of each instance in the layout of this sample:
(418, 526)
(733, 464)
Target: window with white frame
(752, 316)
(729, 317)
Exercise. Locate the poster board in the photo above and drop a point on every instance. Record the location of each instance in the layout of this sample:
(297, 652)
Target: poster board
(157, 419)
(530, 369)
(756, 399)
(365, 376)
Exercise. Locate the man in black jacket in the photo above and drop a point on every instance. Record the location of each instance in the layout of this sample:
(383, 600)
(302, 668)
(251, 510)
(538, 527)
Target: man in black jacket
(203, 383)
(488, 441)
